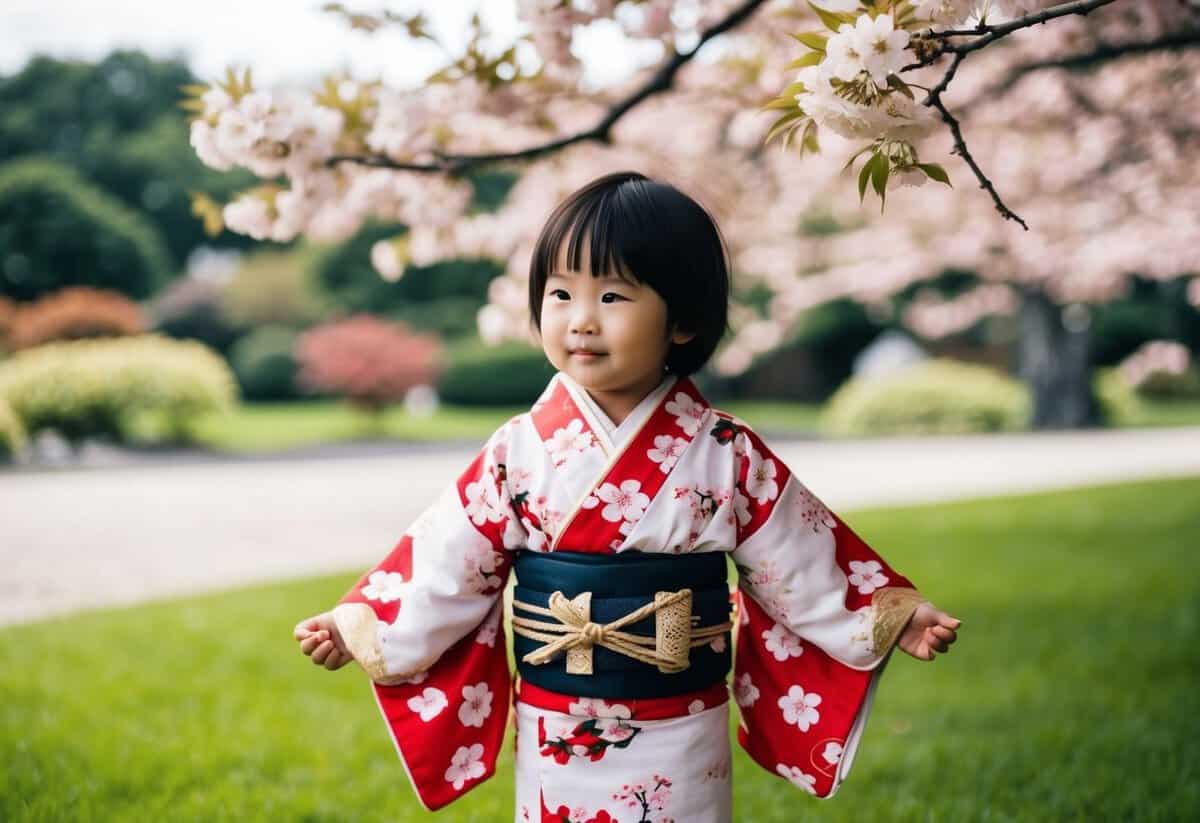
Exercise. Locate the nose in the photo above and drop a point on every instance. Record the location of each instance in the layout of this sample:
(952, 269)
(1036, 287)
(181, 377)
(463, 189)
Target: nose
(584, 319)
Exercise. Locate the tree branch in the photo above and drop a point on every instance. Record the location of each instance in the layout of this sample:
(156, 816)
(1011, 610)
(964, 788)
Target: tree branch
(960, 145)
(984, 35)
(991, 34)
(1103, 53)
(661, 81)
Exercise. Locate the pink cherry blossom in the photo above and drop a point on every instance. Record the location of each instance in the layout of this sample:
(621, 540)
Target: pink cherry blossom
(800, 708)
(465, 765)
(476, 705)
(429, 703)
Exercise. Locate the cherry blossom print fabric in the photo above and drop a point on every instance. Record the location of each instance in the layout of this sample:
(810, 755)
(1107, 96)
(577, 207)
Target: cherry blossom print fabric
(602, 761)
(680, 478)
(805, 664)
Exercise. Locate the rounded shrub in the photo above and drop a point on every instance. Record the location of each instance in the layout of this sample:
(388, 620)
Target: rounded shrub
(366, 360)
(265, 365)
(12, 433)
(1162, 370)
(75, 313)
(92, 388)
(57, 229)
(1118, 400)
(935, 397)
(510, 374)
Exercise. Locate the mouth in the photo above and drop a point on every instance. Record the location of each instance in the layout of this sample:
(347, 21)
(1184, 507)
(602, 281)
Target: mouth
(585, 354)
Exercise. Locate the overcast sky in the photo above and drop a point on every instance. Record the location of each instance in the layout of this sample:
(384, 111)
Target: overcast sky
(284, 40)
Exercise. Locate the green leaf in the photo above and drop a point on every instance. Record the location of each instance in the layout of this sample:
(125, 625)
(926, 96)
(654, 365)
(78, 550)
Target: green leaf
(813, 40)
(792, 89)
(935, 172)
(787, 138)
(865, 174)
(856, 155)
(809, 140)
(879, 179)
(903, 13)
(783, 124)
(780, 103)
(831, 20)
(900, 86)
(810, 59)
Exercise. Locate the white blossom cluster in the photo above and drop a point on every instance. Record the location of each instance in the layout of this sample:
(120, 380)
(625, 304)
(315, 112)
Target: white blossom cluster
(268, 134)
(287, 139)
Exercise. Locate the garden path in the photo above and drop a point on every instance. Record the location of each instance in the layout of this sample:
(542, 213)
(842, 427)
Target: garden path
(141, 529)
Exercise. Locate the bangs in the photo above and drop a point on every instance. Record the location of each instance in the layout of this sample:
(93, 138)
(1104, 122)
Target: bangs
(592, 215)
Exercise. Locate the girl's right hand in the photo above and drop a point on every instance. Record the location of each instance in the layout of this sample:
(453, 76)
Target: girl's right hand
(320, 639)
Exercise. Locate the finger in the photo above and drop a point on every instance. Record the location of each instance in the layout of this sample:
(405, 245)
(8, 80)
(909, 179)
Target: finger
(321, 652)
(309, 643)
(316, 638)
(944, 634)
(948, 621)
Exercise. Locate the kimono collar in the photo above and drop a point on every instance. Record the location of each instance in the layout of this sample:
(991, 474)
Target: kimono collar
(600, 423)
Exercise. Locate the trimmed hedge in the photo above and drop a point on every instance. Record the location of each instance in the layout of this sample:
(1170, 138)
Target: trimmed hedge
(511, 374)
(89, 388)
(936, 397)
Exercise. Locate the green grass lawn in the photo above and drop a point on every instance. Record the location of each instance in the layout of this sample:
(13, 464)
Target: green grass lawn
(267, 427)
(264, 427)
(1071, 695)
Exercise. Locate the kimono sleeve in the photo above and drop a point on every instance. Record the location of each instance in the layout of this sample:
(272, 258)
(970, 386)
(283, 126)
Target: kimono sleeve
(425, 626)
(819, 612)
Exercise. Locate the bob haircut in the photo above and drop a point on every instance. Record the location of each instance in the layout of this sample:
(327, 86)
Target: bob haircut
(650, 232)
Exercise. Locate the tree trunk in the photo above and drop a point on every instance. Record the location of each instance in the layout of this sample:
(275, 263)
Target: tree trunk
(1053, 361)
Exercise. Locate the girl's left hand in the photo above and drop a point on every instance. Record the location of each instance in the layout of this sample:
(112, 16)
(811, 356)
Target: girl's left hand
(929, 631)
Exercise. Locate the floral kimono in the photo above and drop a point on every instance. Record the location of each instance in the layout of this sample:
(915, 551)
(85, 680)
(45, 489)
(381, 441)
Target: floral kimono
(817, 614)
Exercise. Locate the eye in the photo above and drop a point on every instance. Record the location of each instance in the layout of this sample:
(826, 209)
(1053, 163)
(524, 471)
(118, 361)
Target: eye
(612, 297)
(561, 294)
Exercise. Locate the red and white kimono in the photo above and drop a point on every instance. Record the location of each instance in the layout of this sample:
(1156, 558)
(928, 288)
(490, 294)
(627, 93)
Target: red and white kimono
(817, 614)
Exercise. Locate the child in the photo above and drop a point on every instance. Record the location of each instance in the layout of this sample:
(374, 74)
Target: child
(614, 501)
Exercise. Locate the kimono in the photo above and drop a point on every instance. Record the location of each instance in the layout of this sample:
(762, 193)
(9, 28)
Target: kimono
(817, 615)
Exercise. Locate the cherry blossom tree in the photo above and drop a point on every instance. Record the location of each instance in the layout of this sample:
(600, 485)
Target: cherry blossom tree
(1075, 119)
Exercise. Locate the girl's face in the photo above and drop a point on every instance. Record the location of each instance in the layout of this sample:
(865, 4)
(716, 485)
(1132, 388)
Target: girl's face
(607, 333)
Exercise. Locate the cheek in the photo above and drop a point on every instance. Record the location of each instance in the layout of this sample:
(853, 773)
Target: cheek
(551, 325)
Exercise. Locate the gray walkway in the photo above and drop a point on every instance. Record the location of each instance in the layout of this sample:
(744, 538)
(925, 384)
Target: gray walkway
(75, 539)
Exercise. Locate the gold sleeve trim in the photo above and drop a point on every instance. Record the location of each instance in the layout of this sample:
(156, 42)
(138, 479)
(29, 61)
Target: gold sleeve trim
(893, 607)
(357, 624)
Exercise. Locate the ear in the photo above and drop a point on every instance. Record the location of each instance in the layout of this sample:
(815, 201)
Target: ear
(680, 337)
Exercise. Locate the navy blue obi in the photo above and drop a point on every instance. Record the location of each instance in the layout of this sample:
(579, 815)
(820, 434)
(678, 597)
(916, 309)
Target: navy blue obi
(619, 584)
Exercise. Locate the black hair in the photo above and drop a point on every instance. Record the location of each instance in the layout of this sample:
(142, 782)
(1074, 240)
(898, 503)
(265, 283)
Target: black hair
(653, 233)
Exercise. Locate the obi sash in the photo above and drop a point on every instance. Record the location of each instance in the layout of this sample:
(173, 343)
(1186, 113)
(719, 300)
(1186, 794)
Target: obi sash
(618, 585)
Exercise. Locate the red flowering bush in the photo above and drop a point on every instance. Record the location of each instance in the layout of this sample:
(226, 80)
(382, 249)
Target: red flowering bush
(73, 314)
(368, 361)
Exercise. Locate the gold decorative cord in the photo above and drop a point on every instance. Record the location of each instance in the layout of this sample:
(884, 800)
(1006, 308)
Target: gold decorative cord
(576, 634)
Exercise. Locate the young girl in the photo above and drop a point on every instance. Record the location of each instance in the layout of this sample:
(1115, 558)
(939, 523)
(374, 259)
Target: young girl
(614, 502)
